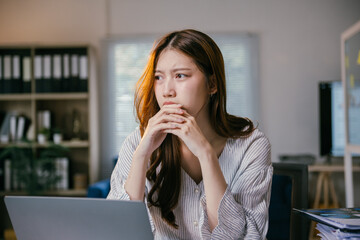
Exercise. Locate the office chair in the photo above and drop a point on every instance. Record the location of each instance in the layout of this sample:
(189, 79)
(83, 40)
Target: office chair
(289, 190)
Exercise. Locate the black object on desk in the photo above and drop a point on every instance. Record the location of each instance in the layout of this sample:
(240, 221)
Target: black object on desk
(289, 190)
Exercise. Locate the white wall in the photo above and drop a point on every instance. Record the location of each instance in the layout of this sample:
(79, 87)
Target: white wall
(299, 44)
(51, 21)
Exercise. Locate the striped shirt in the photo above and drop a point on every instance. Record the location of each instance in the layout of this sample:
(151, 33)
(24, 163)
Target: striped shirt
(243, 210)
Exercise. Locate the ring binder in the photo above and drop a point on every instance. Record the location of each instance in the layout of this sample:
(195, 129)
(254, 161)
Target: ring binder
(83, 71)
(7, 74)
(38, 73)
(1, 71)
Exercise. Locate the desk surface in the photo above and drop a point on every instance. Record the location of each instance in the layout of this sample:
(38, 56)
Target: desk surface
(330, 168)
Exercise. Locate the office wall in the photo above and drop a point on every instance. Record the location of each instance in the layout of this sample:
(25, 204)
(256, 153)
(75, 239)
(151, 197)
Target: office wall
(51, 21)
(299, 44)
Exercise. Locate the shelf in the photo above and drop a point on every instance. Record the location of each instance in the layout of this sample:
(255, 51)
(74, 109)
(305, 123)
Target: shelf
(69, 144)
(19, 144)
(64, 193)
(15, 97)
(60, 96)
(43, 96)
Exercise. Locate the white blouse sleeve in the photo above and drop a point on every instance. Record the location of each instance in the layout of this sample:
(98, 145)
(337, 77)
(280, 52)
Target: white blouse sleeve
(243, 210)
(122, 168)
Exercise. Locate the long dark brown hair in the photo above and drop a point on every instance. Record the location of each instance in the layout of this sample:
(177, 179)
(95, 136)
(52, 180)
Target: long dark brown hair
(165, 162)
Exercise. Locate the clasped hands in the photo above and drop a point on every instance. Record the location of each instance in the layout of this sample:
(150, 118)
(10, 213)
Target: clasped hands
(173, 119)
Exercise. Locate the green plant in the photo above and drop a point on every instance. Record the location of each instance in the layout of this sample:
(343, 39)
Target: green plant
(56, 130)
(45, 131)
(35, 173)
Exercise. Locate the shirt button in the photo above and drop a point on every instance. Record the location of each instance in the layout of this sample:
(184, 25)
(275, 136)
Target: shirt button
(196, 190)
(196, 223)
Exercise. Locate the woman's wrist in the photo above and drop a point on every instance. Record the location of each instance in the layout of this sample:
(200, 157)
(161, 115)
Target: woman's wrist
(140, 155)
(207, 154)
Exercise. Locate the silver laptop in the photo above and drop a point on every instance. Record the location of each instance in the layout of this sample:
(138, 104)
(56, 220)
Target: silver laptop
(52, 218)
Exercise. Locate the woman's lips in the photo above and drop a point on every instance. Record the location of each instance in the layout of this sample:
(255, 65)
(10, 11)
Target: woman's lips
(168, 103)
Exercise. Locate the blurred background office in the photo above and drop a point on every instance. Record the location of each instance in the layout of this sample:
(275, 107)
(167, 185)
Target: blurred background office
(297, 46)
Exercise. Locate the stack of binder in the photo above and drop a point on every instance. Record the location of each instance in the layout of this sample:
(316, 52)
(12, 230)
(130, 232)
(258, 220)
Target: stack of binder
(15, 70)
(61, 70)
(337, 223)
(13, 127)
(53, 69)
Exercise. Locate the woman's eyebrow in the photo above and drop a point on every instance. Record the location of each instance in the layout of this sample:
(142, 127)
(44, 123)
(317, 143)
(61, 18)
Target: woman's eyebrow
(181, 69)
(174, 70)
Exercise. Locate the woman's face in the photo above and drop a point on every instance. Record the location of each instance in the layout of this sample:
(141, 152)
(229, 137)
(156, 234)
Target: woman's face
(179, 80)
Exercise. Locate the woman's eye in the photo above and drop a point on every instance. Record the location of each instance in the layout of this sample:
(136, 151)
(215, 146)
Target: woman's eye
(180, 75)
(157, 77)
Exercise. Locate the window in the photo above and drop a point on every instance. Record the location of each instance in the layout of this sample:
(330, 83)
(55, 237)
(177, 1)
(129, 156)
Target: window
(124, 61)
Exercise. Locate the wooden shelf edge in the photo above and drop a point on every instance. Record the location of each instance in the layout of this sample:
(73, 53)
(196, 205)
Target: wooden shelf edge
(43, 96)
(60, 96)
(65, 193)
(20, 145)
(16, 97)
(69, 144)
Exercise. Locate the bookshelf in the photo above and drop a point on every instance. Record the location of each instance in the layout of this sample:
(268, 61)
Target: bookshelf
(29, 100)
(63, 84)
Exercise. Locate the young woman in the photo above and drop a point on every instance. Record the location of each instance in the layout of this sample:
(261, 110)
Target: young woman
(204, 174)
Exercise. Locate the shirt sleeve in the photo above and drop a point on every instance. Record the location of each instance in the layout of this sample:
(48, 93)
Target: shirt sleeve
(122, 168)
(243, 210)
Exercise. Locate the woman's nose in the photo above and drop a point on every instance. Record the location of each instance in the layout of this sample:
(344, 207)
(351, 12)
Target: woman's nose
(169, 89)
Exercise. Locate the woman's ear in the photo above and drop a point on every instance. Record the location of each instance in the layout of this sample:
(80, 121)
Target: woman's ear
(212, 86)
(213, 90)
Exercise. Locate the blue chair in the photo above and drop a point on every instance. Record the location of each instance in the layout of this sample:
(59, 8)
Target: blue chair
(289, 190)
(100, 189)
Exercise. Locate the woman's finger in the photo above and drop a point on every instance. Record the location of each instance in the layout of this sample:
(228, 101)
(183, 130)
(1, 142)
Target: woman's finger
(166, 118)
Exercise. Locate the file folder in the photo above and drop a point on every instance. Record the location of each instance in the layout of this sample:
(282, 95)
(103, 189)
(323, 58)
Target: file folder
(74, 77)
(83, 75)
(65, 83)
(25, 70)
(57, 73)
(26, 78)
(47, 77)
(7, 74)
(5, 128)
(1, 74)
(38, 73)
(13, 123)
(23, 125)
(16, 83)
